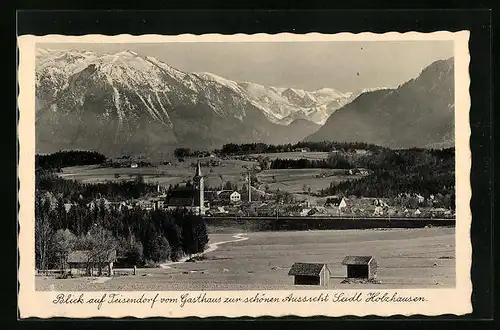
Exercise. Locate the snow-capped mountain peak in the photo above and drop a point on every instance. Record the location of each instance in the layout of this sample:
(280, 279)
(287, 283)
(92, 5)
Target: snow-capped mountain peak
(126, 101)
(280, 105)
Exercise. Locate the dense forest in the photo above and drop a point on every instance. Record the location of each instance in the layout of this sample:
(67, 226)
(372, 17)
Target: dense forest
(325, 146)
(394, 172)
(139, 236)
(61, 159)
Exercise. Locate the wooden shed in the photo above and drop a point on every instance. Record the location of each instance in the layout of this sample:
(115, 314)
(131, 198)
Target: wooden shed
(364, 267)
(310, 274)
(87, 262)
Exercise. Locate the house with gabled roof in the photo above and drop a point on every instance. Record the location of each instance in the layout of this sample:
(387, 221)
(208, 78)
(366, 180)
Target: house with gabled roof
(364, 267)
(87, 262)
(310, 274)
(339, 203)
(229, 196)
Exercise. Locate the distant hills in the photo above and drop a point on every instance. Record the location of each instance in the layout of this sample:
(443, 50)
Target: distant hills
(419, 113)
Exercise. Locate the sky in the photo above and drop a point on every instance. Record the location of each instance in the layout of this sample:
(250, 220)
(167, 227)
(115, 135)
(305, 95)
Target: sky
(344, 65)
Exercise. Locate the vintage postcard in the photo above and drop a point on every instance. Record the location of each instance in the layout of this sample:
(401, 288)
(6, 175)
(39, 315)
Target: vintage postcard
(244, 175)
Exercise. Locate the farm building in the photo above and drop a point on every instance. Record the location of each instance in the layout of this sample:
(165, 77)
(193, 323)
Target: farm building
(310, 274)
(420, 198)
(379, 211)
(364, 267)
(121, 206)
(87, 262)
(219, 210)
(98, 203)
(336, 202)
(359, 171)
(229, 196)
(439, 211)
(146, 204)
(68, 206)
(158, 203)
(307, 212)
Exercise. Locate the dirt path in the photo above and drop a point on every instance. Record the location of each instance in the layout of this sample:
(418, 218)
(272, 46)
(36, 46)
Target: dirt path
(211, 247)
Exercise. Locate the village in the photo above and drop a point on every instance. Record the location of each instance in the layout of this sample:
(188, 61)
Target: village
(257, 203)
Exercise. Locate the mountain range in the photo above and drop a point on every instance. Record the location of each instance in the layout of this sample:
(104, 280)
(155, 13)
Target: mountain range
(419, 113)
(125, 103)
(128, 103)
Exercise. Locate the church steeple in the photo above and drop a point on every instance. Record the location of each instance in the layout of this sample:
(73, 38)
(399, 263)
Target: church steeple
(198, 170)
(199, 185)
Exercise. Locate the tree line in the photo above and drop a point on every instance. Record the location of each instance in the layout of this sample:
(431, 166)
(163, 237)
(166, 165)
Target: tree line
(76, 190)
(323, 146)
(333, 161)
(181, 153)
(67, 158)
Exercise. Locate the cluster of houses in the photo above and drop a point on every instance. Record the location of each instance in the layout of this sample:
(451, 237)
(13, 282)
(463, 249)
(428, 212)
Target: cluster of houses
(229, 202)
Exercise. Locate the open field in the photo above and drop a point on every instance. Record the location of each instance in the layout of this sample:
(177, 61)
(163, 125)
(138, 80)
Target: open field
(311, 155)
(230, 170)
(407, 258)
(293, 180)
(290, 180)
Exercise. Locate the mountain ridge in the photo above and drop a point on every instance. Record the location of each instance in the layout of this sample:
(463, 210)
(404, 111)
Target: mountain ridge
(125, 102)
(418, 113)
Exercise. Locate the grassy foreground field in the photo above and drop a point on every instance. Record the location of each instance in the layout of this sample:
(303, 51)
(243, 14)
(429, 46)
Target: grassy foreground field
(407, 258)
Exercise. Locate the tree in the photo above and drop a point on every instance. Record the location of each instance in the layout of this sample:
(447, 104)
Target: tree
(194, 234)
(180, 153)
(132, 250)
(43, 232)
(99, 242)
(63, 243)
(228, 185)
(160, 249)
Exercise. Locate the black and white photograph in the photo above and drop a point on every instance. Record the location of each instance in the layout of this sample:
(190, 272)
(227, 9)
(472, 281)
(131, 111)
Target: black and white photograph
(229, 165)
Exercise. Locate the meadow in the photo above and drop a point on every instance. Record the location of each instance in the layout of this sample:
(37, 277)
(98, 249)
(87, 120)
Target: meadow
(294, 180)
(407, 258)
(177, 172)
(233, 170)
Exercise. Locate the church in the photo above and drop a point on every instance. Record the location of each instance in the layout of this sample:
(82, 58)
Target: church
(191, 198)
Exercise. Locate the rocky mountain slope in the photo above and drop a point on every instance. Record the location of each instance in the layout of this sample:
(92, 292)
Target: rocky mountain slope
(128, 103)
(419, 113)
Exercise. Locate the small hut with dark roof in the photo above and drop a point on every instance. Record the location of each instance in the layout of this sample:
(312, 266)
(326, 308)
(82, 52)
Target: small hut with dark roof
(87, 261)
(310, 274)
(363, 267)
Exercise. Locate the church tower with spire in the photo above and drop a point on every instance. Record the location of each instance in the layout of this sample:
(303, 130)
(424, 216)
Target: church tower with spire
(199, 186)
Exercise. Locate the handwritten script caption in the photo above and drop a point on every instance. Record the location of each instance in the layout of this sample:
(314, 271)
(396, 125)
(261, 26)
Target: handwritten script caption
(186, 299)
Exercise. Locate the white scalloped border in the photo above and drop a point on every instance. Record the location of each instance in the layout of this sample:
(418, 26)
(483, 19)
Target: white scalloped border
(456, 301)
